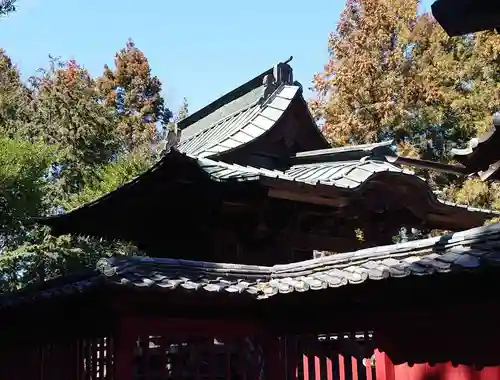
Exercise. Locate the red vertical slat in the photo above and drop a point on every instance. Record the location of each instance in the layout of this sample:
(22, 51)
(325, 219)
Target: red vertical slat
(354, 360)
(341, 358)
(317, 368)
(305, 364)
(329, 368)
(329, 364)
(368, 362)
(354, 367)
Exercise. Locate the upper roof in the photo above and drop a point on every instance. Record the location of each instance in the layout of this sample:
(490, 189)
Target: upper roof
(244, 114)
(234, 100)
(462, 251)
(251, 117)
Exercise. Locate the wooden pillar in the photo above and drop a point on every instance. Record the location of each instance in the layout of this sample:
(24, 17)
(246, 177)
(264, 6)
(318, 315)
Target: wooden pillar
(124, 350)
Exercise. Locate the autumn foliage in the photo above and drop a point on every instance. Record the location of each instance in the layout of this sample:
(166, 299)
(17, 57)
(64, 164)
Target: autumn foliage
(393, 73)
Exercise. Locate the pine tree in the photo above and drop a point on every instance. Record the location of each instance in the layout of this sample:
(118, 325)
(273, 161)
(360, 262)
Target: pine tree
(68, 113)
(136, 95)
(15, 99)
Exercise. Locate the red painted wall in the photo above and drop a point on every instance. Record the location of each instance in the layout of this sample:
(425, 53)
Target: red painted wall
(445, 371)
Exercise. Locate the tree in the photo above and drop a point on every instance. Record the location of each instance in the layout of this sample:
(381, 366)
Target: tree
(109, 177)
(136, 95)
(23, 186)
(394, 73)
(7, 6)
(183, 111)
(15, 97)
(68, 113)
(59, 148)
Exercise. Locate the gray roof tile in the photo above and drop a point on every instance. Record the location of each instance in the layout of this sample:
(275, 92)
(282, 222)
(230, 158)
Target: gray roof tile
(343, 175)
(240, 127)
(432, 256)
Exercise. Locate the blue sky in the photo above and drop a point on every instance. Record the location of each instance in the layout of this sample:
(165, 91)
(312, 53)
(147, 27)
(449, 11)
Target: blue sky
(199, 49)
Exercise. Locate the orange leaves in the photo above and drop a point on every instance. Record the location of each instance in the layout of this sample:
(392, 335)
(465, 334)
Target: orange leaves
(136, 96)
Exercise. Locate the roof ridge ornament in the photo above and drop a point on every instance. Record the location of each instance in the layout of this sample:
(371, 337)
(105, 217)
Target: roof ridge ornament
(282, 75)
(171, 140)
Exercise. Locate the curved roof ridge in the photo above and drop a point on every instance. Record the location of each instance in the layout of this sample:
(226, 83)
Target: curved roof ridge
(240, 127)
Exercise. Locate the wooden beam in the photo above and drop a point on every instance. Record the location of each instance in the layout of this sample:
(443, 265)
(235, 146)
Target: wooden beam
(424, 164)
(307, 197)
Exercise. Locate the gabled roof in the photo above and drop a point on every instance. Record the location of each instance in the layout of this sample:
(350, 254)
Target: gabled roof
(243, 115)
(241, 126)
(347, 177)
(462, 251)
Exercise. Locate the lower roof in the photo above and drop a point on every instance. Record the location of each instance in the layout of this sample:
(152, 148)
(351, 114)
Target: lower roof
(462, 251)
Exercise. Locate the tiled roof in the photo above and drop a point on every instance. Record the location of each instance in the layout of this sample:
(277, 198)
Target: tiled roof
(342, 174)
(481, 156)
(466, 250)
(237, 99)
(240, 127)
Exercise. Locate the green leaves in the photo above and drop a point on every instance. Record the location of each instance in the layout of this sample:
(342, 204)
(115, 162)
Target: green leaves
(109, 177)
(24, 181)
(62, 144)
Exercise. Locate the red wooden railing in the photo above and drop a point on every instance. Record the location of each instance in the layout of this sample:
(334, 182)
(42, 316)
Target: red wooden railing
(327, 357)
(339, 356)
